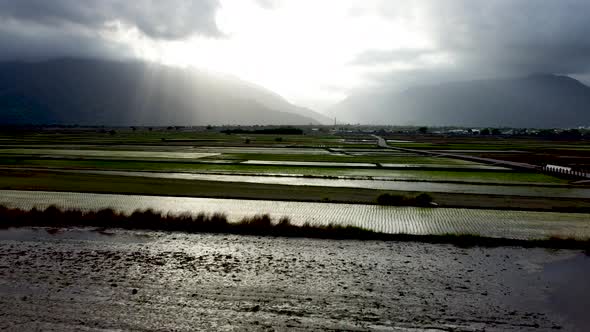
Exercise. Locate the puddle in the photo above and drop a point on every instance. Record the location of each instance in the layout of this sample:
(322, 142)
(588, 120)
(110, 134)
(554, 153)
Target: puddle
(69, 234)
(570, 291)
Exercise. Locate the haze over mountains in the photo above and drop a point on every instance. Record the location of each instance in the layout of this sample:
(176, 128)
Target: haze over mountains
(100, 92)
(540, 100)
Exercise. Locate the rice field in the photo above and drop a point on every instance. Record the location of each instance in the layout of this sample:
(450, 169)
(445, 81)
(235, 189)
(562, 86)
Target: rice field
(437, 166)
(377, 183)
(410, 220)
(306, 163)
(318, 160)
(342, 158)
(53, 153)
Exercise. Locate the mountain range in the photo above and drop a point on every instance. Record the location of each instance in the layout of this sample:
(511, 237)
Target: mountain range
(100, 92)
(534, 101)
(125, 93)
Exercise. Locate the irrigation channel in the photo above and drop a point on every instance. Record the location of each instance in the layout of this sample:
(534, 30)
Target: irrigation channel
(410, 220)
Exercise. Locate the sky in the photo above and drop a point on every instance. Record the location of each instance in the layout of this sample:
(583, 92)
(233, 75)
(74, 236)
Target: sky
(312, 52)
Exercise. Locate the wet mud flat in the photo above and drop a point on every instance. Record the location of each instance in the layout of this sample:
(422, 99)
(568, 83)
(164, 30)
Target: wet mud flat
(82, 279)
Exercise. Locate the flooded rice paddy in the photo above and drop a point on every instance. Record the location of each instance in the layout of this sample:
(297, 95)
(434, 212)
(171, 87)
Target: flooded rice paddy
(306, 163)
(262, 150)
(411, 220)
(379, 184)
(53, 153)
(473, 166)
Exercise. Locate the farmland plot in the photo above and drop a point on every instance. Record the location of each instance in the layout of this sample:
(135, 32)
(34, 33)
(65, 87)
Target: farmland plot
(411, 220)
(106, 153)
(380, 184)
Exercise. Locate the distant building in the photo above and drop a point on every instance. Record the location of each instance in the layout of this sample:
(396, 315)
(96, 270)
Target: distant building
(458, 132)
(556, 168)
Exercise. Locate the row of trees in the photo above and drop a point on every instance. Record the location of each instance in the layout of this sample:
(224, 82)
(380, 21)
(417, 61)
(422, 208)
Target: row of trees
(268, 131)
(485, 131)
(544, 133)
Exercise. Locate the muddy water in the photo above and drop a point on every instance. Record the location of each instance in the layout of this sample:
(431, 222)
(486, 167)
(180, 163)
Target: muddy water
(571, 288)
(411, 220)
(85, 280)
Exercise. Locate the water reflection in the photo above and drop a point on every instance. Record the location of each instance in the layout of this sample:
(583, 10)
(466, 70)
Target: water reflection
(80, 234)
(495, 223)
(417, 186)
(569, 293)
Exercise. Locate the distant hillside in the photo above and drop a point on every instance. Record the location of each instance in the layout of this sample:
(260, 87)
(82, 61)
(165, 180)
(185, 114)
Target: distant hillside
(96, 92)
(542, 101)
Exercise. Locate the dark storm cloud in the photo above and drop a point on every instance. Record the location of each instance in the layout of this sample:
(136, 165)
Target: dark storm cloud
(170, 19)
(517, 35)
(496, 38)
(25, 42)
(34, 29)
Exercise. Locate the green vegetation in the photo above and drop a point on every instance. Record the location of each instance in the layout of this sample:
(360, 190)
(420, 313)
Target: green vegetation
(423, 199)
(113, 184)
(567, 151)
(261, 225)
(269, 131)
(33, 160)
(475, 176)
(163, 137)
(388, 199)
(486, 176)
(393, 159)
(486, 144)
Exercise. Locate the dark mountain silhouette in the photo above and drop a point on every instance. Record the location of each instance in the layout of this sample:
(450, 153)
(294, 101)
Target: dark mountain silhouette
(97, 92)
(540, 101)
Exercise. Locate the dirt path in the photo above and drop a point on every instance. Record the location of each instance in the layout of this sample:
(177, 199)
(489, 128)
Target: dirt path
(86, 280)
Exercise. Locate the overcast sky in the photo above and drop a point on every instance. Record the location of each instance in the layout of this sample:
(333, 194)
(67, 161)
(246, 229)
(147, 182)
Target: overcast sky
(313, 52)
